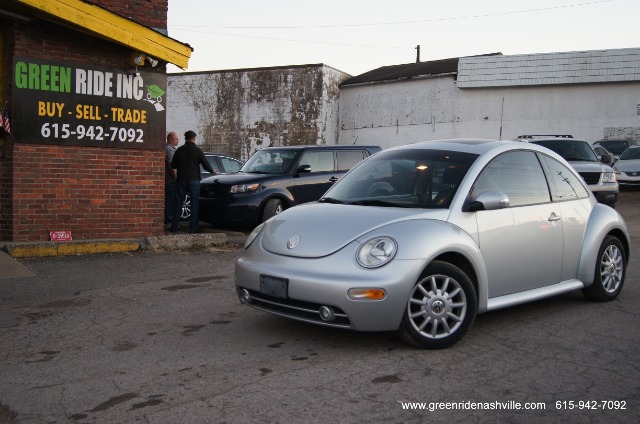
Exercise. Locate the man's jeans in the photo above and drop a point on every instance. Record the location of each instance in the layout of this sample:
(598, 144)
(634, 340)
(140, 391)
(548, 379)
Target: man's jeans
(193, 188)
(170, 193)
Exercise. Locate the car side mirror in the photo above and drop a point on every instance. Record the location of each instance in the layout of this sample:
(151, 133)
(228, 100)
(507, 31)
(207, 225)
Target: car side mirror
(489, 201)
(303, 169)
(606, 158)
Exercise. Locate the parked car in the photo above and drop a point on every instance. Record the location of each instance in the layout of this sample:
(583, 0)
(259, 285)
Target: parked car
(601, 152)
(274, 179)
(628, 167)
(615, 146)
(422, 237)
(222, 164)
(599, 176)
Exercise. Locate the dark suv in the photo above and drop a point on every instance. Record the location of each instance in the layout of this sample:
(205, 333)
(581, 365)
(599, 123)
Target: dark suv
(615, 146)
(274, 179)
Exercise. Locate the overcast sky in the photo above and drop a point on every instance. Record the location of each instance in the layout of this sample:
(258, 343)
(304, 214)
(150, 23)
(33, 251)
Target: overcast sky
(356, 36)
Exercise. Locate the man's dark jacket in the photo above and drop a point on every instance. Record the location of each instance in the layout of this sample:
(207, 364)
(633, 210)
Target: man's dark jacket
(187, 160)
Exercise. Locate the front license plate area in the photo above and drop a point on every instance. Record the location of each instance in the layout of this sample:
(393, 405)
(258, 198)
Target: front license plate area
(274, 286)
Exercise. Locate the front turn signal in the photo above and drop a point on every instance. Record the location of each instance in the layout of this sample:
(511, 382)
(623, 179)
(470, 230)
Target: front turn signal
(367, 294)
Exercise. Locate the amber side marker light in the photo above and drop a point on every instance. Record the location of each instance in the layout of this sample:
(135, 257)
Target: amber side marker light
(367, 294)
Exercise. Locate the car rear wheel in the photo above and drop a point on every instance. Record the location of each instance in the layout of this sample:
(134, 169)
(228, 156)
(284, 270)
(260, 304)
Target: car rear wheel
(185, 210)
(441, 307)
(609, 273)
(272, 208)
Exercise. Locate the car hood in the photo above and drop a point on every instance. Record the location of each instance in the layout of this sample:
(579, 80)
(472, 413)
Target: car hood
(322, 229)
(628, 165)
(583, 166)
(241, 178)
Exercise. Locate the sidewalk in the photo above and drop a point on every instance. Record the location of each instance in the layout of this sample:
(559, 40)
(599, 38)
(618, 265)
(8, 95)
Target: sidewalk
(209, 238)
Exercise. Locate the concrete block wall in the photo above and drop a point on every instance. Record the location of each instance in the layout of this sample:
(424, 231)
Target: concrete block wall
(236, 112)
(397, 113)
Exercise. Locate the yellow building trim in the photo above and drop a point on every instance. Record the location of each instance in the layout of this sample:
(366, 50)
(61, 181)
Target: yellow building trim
(113, 27)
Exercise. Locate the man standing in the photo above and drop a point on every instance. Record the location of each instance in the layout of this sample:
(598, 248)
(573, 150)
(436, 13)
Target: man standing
(186, 161)
(170, 191)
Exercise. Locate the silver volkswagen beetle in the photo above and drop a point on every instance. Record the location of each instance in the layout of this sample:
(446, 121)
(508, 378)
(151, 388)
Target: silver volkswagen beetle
(423, 237)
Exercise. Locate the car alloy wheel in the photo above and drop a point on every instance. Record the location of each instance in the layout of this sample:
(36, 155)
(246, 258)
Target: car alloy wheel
(609, 273)
(441, 307)
(185, 211)
(272, 208)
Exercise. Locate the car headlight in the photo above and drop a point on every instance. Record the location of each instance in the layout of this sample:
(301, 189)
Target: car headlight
(253, 234)
(376, 252)
(244, 188)
(608, 177)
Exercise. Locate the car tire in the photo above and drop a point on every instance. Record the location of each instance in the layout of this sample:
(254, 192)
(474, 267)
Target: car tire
(610, 271)
(185, 210)
(441, 307)
(272, 208)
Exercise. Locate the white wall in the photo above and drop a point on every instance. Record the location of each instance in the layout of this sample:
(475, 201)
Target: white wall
(396, 113)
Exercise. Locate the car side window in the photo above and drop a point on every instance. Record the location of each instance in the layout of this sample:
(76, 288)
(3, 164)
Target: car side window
(320, 161)
(564, 184)
(519, 175)
(213, 163)
(230, 165)
(347, 159)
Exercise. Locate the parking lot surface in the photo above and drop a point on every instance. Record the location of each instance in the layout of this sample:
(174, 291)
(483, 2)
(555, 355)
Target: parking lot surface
(161, 338)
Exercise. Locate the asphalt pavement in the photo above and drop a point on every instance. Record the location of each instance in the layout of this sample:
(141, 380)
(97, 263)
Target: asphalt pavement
(160, 337)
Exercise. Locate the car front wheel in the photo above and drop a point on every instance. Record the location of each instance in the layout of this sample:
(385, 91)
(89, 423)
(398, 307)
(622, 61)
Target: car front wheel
(609, 273)
(441, 307)
(272, 208)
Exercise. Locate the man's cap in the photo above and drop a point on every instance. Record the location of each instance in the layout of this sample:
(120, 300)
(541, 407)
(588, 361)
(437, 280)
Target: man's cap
(189, 134)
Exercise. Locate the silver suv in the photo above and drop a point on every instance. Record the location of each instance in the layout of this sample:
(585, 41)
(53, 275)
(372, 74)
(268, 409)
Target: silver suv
(600, 177)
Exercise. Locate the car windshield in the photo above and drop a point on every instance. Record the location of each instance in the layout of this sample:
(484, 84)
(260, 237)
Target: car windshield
(269, 162)
(615, 146)
(410, 178)
(630, 154)
(570, 150)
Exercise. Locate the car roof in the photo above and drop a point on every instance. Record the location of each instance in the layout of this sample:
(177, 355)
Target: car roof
(470, 145)
(563, 139)
(218, 154)
(332, 147)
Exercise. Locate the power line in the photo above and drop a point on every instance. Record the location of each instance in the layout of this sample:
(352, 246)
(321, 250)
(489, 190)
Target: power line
(292, 40)
(487, 15)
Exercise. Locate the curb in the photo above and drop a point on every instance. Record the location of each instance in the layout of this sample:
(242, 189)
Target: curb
(152, 244)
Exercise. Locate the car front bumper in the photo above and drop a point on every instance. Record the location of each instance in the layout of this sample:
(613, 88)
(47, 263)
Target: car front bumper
(606, 197)
(241, 212)
(325, 282)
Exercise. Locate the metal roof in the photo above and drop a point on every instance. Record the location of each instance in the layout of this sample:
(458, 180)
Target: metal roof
(408, 71)
(578, 67)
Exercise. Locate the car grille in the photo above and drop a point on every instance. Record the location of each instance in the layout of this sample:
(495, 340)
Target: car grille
(296, 309)
(591, 178)
(214, 191)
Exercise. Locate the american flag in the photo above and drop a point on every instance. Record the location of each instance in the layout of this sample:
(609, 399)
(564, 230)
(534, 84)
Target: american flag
(5, 123)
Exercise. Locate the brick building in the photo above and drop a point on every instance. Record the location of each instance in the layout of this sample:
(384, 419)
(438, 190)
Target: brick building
(83, 84)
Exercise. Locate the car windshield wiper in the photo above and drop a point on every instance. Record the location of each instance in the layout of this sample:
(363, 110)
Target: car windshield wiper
(373, 202)
(331, 200)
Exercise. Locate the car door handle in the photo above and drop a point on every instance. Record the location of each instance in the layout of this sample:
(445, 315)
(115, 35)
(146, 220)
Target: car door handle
(333, 179)
(553, 217)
